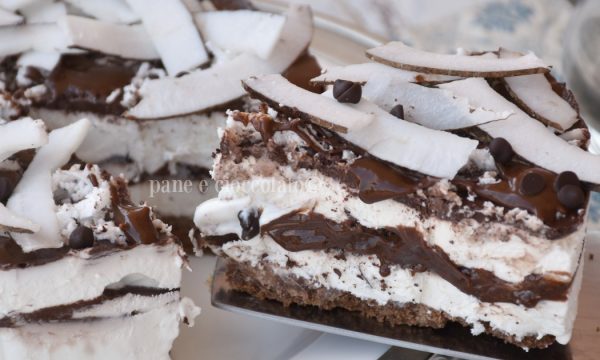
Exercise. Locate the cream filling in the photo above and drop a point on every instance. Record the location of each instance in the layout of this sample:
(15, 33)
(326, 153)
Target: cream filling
(360, 277)
(78, 276)
(510, 253)
(189, 139)
(147, 336)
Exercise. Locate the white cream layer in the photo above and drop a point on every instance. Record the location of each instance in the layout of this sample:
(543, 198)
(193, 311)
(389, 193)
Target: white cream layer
(189, 139)
(78, 276)
(510, 253)
(146, 336)
(360, 277)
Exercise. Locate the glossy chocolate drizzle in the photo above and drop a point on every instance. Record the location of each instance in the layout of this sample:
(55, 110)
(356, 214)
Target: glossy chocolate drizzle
(544, 205)
(134, 220)
(406, 247)
(377, 183)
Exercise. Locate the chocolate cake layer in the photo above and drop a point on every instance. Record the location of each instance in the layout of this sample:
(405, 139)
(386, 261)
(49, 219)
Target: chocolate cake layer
(264, 283)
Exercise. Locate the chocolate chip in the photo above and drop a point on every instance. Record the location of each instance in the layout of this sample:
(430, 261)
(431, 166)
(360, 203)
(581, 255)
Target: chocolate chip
(249, 222)
(347, 91)
(571, 196)
(82, 237)
(566, 178)
(501, 150)
(532, 184)
(398, 111)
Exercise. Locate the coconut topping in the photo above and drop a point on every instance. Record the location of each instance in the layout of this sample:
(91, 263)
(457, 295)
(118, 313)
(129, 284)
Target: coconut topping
(33, 195)
(240, 31)
(431, 107)
(528, 137)
(399, 55)
(196, 47)
(173, 95)
(280, 94)
(362, 72)
(173, 32)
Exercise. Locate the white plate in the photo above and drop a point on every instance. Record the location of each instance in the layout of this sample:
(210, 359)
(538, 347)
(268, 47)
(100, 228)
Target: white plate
(223, 335)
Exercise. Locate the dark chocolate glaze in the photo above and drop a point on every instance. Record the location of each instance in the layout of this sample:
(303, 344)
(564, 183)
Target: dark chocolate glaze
(376, 182)
(406, 247)
(544, 205)
(62, 313)
(134, 220)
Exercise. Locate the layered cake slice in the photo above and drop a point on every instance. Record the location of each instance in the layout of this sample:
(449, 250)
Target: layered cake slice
(84, 272)
(440, 188)
(155, 87)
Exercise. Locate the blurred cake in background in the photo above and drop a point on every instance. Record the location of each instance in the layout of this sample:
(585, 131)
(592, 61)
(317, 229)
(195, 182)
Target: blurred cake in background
(154, 78)
(84, 272)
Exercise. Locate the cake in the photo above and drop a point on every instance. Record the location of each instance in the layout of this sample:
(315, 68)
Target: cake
(84, 271)
(155, 87)
(421, 189)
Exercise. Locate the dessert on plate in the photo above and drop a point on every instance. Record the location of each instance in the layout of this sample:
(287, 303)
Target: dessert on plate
(84, 272)
(154, 87)
(421, 189)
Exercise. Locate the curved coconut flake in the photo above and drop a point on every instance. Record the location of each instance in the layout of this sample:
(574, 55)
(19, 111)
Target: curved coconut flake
(40, 37)
(294, 101)
(431, 152)
(360, 73)
(113, 11)
(21, 134)
(198, 91)
(8, 18)
(9, 221)
(44, 12)
(128, 41)
(173, 32)
(431, 107)
(534, 94)
(240, 31)
(33, 195)
(39, 59)
(220, 84)
(529, 138)
(399, 55)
